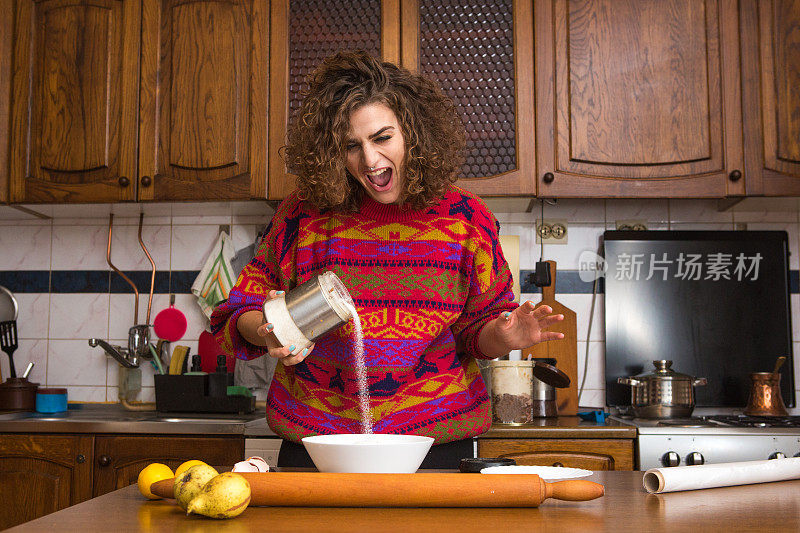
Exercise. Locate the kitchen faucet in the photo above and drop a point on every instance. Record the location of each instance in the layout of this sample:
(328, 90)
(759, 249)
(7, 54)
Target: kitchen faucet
(138, 347)
(138, 335)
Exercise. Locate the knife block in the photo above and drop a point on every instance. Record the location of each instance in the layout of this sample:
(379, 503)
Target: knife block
(192, 394)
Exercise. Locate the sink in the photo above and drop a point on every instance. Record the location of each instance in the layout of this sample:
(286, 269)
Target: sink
(196, 420)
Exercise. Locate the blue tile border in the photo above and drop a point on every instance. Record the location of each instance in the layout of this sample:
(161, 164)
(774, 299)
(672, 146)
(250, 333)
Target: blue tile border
(180, 281)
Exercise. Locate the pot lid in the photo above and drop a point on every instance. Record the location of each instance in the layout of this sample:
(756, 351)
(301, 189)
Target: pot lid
(664, 372)
(550, 375)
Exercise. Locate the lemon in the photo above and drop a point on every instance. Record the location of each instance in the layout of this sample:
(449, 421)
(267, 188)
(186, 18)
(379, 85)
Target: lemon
(186, 466)
(149, 475)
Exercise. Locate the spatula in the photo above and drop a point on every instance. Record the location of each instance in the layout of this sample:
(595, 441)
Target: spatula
(8, 342)
(316, 489)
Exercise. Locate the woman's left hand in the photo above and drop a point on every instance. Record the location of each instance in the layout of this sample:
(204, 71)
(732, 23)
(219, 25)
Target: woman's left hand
(520, 328)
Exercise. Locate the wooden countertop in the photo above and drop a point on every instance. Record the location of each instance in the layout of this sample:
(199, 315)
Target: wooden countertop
(562, 427)
(625, 507)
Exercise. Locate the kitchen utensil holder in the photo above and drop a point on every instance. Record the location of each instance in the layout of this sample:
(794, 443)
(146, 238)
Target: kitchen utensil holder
(191, 394)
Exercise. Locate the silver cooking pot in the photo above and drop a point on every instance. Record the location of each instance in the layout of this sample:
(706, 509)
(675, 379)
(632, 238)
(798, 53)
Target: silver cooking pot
(663, 393)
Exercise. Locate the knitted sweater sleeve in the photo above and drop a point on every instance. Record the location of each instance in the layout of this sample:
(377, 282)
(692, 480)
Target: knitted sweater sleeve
(272, 267)
(491, 289)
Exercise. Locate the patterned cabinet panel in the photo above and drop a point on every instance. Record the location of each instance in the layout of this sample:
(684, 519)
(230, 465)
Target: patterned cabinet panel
(770, 41)
(74, 79)
(304, 32)
(481, 55)
(633, 99)
(203, 100)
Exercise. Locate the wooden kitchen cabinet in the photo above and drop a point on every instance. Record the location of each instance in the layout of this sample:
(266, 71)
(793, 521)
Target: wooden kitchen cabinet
(481, 53)
(120, 458)
(590, 454)
(203, 100)
(123, 100)
(75, 75)
(638, 99)
(770, 42)
(305, 32)
(41, 474)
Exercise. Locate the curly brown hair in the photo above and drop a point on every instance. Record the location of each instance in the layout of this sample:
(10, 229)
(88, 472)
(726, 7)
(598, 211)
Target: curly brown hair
(316, 150)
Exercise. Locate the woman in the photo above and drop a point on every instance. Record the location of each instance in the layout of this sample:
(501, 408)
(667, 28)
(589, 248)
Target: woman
(377, 149)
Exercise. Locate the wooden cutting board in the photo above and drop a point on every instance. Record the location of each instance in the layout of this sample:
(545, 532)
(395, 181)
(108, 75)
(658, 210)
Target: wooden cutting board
(564, 351)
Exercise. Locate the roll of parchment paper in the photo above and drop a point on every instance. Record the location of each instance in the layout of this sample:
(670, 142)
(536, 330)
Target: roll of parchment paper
(657, 480)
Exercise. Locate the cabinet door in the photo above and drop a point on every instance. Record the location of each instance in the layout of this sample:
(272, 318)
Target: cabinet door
(638, 98)
(75, 80)
(481, 53)
(119, 459)
(591, 454)
(771, 71)
(6, 33)
(303, 33)
(41, 474)
(203, 109)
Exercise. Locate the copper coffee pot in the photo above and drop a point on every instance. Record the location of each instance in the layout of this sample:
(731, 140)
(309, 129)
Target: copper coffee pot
(765, 394)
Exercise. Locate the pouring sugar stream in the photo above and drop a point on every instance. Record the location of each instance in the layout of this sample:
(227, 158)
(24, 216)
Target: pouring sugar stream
(312, 309)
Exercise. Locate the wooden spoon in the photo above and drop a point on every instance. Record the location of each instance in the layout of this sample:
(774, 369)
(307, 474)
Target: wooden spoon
(779, 363)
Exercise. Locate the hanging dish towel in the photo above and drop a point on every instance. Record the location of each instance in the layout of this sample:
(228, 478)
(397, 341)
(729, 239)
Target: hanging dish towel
(216, 278)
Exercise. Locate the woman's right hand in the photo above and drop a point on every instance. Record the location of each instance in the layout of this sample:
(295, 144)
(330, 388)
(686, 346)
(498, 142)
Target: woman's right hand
(274, 348)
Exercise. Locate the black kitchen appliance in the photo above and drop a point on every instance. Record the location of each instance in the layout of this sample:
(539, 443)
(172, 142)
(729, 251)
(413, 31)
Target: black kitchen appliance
(716, 303)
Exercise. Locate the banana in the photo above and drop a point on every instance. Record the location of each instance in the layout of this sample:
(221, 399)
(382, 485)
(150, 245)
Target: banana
(191, 482)
(225, 496)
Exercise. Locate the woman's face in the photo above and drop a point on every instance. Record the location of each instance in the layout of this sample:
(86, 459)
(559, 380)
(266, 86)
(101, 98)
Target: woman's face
(376, 152)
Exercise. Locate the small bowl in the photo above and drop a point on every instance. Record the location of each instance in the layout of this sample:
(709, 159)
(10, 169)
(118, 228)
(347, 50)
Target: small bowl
(368, 453)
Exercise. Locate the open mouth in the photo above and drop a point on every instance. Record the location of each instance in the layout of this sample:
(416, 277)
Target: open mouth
(380, 178)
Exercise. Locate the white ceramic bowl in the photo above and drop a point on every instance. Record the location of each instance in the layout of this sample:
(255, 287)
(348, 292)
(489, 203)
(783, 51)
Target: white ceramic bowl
(375, 453)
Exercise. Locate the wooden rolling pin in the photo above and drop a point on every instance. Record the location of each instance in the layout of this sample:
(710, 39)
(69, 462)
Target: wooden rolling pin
(314, 489)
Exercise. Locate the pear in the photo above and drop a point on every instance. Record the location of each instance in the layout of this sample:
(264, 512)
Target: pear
(225, 496)
(191, 482)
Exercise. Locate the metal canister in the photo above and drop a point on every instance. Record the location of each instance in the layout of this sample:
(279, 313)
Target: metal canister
(319, 305)
(309, 311)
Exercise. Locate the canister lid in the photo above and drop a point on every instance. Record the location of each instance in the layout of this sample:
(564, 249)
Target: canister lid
(473, 465)
(51, 391)
(550, 375)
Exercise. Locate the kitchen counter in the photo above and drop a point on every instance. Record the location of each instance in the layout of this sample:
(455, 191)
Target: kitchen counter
(114, 418)
(563, 427)
(625, 507)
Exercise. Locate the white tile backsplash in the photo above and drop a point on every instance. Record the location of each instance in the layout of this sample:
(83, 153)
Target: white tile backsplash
(74, 362)
(79, 316)
(54, 328)
(127, 252)
(649, 211)
(25, 247)
(191, 245)
(81, 247)
(34, 315)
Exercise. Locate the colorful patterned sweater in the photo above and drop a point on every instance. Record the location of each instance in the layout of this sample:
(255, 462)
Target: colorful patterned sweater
(424, 283)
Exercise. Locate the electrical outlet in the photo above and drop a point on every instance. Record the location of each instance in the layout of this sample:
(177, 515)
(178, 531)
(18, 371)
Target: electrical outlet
(552, 231)
(628, 225)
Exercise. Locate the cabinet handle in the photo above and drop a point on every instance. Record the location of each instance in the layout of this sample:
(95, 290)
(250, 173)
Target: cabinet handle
(123, 181)
(146, 181)
(80, 459)
(735, 175)
(558, 464)
(104, 460)
(548, 177)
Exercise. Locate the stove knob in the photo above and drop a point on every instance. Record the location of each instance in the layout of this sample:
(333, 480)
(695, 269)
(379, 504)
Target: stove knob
(695, 458)
(777, 455)
(670, 459)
